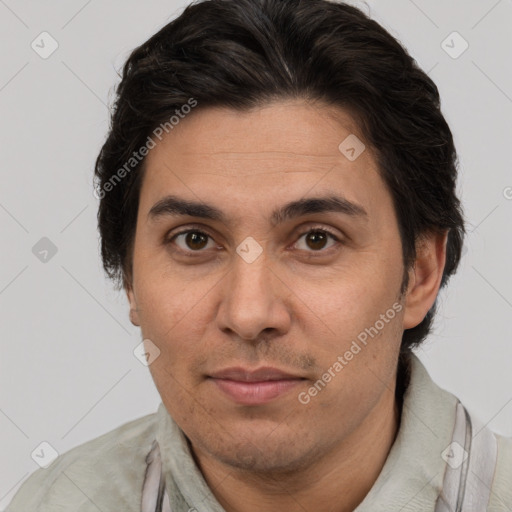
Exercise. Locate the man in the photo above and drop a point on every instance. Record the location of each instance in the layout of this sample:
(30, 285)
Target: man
(277, 199)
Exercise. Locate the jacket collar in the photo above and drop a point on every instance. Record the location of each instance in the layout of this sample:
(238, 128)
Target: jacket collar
(411, 478)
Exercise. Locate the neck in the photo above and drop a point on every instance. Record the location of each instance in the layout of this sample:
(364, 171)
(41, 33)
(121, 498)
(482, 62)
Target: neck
(348, 472)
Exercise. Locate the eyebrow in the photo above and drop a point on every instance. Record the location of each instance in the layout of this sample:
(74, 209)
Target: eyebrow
(176, 206)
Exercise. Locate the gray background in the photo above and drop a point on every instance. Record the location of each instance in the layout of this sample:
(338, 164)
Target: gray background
(67, 369)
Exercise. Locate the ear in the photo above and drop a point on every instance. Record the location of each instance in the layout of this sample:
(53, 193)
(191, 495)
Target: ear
(134, 311)
(425, 278)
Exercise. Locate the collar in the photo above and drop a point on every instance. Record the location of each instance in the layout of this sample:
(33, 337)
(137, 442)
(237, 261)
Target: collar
(411, 478)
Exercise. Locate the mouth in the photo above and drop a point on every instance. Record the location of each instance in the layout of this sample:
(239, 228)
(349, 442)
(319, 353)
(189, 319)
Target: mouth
(254, 387)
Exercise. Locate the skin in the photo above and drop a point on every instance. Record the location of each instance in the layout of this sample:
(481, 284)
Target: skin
(297, 307)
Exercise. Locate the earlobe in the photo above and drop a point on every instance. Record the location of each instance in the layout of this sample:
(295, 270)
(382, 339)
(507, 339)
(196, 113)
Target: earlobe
(134, 315)
(425, 278)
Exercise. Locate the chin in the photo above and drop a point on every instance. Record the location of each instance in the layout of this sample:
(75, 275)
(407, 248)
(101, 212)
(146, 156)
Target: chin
(263, 453)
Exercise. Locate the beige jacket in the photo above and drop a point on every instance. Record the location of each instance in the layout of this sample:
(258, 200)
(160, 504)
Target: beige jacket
(438, 458)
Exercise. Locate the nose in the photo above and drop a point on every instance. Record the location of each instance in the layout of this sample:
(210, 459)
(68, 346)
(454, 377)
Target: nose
(254, 300)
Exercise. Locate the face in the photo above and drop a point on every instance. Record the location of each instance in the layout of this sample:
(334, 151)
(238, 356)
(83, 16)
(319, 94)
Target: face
(257, 309)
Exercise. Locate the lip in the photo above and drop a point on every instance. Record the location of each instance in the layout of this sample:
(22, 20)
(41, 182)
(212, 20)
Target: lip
(265, 373)
(254, 387)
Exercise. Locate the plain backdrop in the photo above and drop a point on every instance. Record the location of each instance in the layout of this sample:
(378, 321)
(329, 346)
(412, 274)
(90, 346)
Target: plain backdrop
(67, 368)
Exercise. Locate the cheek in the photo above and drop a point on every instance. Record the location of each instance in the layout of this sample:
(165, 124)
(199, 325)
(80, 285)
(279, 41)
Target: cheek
(163, 304)
(365, 331)
(174, 371)
(346, 305)
(175, 392)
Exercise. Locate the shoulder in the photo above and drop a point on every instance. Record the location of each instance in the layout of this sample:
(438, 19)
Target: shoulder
(105, 474)
(501, 495)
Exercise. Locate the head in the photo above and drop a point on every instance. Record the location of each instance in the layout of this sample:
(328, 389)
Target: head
(277, 189)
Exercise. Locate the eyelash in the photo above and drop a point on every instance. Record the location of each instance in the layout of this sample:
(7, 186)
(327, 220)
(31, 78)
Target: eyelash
(192, 229)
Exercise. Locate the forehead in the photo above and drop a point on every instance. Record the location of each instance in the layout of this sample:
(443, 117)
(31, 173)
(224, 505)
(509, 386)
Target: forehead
(287, 126)
(285, 150)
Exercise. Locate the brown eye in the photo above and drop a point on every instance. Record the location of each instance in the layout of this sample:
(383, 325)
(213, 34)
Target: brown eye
(316, 240)
(194, 240)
